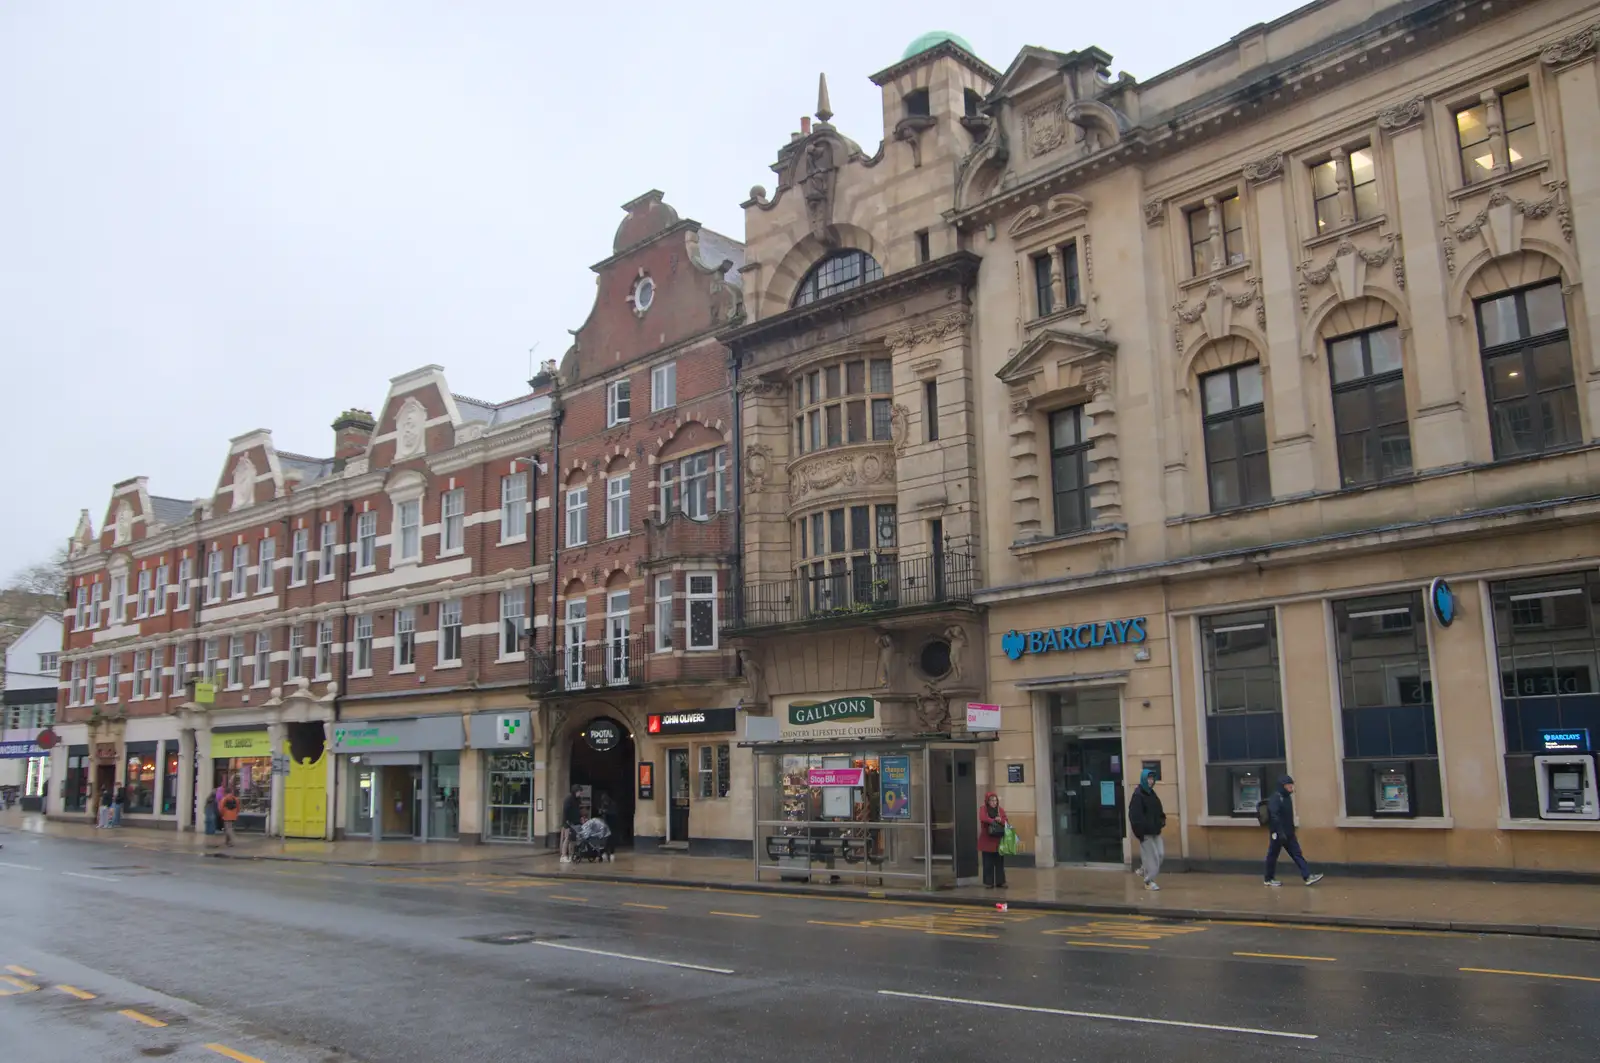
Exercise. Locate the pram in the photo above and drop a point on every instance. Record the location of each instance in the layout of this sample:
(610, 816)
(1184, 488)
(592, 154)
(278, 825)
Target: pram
(589, 840)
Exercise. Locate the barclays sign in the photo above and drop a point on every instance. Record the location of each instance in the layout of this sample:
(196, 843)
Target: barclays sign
(1074, 637)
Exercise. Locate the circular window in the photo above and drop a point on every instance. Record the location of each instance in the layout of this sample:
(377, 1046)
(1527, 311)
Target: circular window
(935, 659)
(644, 293)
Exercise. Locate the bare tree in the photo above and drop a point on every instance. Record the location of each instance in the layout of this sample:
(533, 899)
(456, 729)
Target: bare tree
(43, 577)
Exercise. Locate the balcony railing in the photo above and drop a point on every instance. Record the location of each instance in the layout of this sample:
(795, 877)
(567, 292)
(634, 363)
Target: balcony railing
(630, 661)
(858, 589)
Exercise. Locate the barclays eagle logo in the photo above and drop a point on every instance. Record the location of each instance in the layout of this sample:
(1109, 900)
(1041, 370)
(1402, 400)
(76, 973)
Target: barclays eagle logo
(1013, 643)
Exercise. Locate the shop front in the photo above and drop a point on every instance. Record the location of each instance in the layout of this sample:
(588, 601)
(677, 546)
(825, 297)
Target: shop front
(402, 777)
(241, 762)
(502, 757)
(847, 791)
(1435, 707)
(697, 747)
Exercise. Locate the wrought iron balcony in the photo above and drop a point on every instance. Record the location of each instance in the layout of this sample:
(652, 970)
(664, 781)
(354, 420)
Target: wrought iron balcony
(626, 662)
(858, 590)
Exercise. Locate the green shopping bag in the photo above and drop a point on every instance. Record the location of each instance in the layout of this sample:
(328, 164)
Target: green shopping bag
(1008, 844)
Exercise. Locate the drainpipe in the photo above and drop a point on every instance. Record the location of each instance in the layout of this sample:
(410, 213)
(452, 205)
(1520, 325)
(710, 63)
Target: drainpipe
(197, 656)
(533, 563)
(738, 482)
(558, 414)
(344, 619)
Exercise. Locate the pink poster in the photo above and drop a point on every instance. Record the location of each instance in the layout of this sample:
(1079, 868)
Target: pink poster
(835, 776)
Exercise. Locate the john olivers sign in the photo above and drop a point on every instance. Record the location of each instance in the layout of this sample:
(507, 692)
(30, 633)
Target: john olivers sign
(1074, 637)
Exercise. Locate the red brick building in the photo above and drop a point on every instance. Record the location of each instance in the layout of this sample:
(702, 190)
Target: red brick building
(641, 689)
(342, 640)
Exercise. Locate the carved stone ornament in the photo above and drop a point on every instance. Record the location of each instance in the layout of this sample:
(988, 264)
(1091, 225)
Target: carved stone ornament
(244, 482)
(818, 172)
(1216, 309)
(813, 476)
(1347, 265)
(763, 387)
(925, 332)
(1500, 222)
(1571, 48)
(956, 635)
(757, 466)
(1155, 212)
(1266, 168)
(122, 531)
(885, 659)
(899, 427)
(410, 432)
(1401, 115)
(1045, 127)
(933, 711)
(877, 468)
(754, 676)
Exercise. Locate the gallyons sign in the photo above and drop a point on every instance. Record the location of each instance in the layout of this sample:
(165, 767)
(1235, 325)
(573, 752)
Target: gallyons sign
(805, 714)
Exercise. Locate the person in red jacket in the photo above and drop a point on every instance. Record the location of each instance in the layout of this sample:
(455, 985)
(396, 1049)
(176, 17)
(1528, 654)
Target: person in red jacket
(992, 824)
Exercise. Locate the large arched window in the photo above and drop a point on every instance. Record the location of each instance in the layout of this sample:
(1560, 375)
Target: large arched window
(838, 272)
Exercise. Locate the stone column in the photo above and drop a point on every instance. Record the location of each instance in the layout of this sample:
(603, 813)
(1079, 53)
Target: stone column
(161, 777)
(1292, 462)
(473, 773)
(276, 735)
(186, 803)
(1573, 60)
(1439, 431)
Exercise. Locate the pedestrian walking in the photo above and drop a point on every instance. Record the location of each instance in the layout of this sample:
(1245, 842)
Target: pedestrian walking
(228, 810)
(1280, 820)
(571, 820)
(119, 801)
(104, 820)
(992, 824)
(1146, 818)
(211, 813)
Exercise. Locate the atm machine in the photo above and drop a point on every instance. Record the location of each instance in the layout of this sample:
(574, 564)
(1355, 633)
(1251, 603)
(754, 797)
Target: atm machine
(1565, 773)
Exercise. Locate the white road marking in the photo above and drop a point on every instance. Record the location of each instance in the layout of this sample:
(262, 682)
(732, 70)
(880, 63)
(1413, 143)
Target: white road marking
(640, 959)
(22, 867)
(1097, 1015)
(97, 878)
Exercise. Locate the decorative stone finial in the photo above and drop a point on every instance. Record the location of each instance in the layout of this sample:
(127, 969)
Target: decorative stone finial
(824, 112)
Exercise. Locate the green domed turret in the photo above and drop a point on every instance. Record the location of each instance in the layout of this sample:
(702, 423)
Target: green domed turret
(933, 40)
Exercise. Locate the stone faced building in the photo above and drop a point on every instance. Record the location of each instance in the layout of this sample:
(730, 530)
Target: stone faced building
(1293, 395)
(360, 618)
(639, 690)
(860, 508)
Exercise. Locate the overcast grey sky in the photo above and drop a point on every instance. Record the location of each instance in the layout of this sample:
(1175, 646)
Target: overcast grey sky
(222, 216)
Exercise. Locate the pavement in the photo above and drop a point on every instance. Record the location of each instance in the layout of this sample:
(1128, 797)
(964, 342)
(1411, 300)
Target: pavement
(1435, 904)
(117, 952)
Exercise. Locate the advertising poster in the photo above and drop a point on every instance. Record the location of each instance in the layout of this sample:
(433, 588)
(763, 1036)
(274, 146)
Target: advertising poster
(835, 777)
(894, 795)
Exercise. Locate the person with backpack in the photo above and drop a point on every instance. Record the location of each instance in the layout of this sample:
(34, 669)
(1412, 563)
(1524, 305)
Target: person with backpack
(1146, 818)
(228, 810)
(1279, 814)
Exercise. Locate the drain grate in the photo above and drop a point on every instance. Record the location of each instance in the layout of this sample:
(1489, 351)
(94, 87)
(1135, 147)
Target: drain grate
(515, 937)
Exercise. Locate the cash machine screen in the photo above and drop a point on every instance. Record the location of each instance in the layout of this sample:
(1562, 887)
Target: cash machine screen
(1565, 780)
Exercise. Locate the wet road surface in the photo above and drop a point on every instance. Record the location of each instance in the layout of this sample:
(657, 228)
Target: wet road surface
(110, 952)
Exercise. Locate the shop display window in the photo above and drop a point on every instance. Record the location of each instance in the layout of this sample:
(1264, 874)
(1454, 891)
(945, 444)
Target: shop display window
(1245, 746)
(139, 789)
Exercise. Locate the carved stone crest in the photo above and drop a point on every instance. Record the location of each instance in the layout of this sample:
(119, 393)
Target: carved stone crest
(875, 469)
(122, 531)
(1571, 48)
(933, 710)
(244, 482)
(1266, 168)
(1155, 212)
(757, 466)
(1045, 127)
(1400, 115)
(409, 430)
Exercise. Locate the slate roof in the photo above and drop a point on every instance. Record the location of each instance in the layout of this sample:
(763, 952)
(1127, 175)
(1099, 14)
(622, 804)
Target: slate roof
(494, 415)
(171, 510)
(714, 247)
(309, 468)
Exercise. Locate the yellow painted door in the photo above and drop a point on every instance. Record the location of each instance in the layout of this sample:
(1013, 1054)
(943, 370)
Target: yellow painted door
(305, 798)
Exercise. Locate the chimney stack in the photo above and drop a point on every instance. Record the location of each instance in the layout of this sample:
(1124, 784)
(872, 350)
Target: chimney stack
(805, 125)
(352, 431)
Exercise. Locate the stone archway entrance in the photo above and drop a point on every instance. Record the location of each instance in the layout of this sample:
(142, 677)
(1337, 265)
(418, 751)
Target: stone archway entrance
(600, 757)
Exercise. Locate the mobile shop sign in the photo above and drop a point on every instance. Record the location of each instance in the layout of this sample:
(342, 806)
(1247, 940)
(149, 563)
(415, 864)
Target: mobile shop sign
(1075, 637)
(20, 750)
(836, 777)
(1572, 740)
(828, 711)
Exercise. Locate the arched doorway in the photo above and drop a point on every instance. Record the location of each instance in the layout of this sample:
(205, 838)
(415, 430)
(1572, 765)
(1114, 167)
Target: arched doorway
(601, 759)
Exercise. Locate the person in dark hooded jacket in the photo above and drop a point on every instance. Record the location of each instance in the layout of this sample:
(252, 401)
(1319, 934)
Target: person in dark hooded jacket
(1280, 821)
(992, 823)
(1146, 817)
